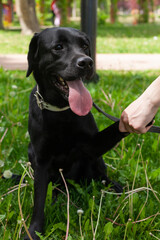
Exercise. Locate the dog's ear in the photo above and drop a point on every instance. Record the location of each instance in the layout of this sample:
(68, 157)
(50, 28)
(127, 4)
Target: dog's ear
(32, 54)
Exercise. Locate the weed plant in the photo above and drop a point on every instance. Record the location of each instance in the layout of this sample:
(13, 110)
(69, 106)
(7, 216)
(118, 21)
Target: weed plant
(102, 214)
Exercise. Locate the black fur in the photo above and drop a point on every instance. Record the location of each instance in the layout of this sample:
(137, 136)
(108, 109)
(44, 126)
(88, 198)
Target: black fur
(63, 139)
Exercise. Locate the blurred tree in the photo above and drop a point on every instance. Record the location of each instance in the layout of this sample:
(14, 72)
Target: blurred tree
(113, 11)
(103, 11)
(1, 15)
(102, 4)
(27, 16)
(143, 11)
(134, 4)
(11, 3)
(69, 8)
(65, 7)
(153, 7)
(42, 10)
(62, 5)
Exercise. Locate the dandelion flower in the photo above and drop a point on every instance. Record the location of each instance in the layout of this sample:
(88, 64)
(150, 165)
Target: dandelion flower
(14, 87)
(155, 38)
(80, 211)
(1, 163)
(7, 174)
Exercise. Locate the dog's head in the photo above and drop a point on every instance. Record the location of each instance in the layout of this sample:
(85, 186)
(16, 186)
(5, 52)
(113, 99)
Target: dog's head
(60, 60)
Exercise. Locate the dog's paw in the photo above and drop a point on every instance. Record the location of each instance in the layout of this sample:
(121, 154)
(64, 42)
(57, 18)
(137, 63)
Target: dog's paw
(32, 230)
(117, 187)
(33, 235)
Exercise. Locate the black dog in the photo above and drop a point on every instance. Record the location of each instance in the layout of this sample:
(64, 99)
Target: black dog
(63, 132)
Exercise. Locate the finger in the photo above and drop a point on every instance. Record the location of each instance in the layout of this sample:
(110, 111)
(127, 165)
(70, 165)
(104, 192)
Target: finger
(142, 130)
(147, 128)
(122, 127)
(123, 122)
(129, 128)
(132, 129)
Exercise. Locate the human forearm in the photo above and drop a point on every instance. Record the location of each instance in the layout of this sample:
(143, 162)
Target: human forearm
(153, 93)
(142, 111)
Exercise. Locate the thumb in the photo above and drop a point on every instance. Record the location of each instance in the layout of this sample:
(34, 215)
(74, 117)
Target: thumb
(122, 127)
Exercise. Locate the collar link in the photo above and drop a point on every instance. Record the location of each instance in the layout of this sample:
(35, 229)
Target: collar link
(44, 105)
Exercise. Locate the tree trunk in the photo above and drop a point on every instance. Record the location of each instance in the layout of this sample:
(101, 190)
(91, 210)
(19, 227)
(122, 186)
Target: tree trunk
(42, 10)
(69, 9)
(135, 11)
(113, 11)
(1, 15)
(152, 10)
(144, 11)
(62, 5)
(27, 16)
(74, 9)
(102, 4)
(11, 4)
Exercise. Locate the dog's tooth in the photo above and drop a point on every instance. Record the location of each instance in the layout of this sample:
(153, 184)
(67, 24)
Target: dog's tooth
(62, 81)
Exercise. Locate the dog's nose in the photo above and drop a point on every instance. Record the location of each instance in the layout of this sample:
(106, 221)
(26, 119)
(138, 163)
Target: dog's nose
(85, 62)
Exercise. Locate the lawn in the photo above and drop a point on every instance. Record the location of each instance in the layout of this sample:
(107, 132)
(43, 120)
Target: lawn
(134, 162)
(12, 42)
(118, 38)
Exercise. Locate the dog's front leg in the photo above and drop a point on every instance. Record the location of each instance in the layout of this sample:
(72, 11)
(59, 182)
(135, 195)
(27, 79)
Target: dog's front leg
(105, 140)
(40, 189)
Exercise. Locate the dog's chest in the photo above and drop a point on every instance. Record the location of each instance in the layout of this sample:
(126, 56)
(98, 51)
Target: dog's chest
(64, 137)
(68, 130)
(61, 138)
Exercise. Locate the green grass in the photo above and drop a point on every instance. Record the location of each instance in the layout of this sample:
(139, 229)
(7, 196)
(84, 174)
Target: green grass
(13, 41)
(135, 163)
(120, 38)
(116, 38)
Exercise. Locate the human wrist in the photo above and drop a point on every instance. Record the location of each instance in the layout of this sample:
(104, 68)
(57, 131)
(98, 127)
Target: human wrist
(153, 100)
(152, 93)
(149, 104)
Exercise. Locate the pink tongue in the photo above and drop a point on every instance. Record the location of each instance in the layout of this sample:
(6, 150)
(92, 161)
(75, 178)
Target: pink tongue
(80, 100)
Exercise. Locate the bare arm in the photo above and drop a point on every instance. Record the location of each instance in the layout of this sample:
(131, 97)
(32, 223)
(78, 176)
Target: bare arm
(140, 112)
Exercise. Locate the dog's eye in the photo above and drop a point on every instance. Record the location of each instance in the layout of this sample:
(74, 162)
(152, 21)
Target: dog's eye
(58, 47)
(85, 47)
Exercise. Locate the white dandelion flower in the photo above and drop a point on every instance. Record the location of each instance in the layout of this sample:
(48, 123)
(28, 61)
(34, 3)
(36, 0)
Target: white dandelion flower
(7, 174)
(80, 211)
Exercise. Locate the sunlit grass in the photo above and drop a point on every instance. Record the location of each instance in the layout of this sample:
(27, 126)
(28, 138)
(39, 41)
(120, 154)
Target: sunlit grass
(12, 42)
(120, 38)
(128, 45)
(116, 38)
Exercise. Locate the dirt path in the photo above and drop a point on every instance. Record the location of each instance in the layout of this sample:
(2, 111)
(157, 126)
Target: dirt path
(103, 61)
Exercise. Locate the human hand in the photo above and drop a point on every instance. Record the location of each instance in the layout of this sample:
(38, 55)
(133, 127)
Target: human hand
(137, 115)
